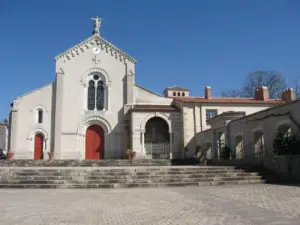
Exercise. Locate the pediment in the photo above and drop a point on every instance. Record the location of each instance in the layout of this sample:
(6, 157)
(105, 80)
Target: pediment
(89, 43)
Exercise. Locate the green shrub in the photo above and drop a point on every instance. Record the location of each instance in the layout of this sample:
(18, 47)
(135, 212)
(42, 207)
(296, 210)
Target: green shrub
(286, 144)
(225, 152)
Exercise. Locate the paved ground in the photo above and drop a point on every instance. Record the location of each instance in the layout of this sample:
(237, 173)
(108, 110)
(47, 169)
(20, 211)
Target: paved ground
(242, 205)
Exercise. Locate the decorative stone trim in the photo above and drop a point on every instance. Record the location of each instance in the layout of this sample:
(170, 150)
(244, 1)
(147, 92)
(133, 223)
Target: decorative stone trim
(93, 120)
(257, 129)
(239, 134)
(95, 71)
(283, 122)
(35, 131)
(94, 40)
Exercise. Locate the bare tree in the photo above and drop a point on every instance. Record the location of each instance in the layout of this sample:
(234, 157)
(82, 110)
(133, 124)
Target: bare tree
(274, 81)
(232, 93)
(297, 88)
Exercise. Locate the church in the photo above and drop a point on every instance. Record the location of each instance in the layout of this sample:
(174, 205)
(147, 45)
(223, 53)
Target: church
(93, 110)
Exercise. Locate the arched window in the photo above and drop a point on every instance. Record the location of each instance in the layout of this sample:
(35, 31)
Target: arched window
(183, 94)
(100, 96)
(178, 93)
(40, 116)
(96, 94)
(174, 93)
(91, 95)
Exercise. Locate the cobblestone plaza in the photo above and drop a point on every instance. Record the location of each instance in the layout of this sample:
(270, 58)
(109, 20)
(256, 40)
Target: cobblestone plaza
(234, 205)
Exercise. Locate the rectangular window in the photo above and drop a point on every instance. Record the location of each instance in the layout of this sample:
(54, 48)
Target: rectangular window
(210, 113)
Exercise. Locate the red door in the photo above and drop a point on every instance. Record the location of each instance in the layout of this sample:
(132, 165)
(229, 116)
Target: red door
(94, 142)
(38, 146)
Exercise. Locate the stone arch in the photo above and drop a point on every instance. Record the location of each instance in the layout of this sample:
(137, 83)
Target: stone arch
(258, 129)
(284, 126)
(97, 71)
(31, 137)
(285, 122)
(152, 115)
(36, 131)
(94, 120)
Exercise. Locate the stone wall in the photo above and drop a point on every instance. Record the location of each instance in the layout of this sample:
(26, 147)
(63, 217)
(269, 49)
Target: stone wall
(3, 136)
(287, 167)
(266, 123)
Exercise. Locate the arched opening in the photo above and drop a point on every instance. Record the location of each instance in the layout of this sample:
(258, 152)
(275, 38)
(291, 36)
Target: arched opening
(220, 143)
(259, 144)
(239, 147)
(40, 115)
(208, 150)
(94, 143)
(285, 130)
(157, 138)
(38, 146)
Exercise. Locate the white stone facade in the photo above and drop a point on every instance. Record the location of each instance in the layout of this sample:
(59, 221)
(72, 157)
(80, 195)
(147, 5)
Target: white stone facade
(60, 113)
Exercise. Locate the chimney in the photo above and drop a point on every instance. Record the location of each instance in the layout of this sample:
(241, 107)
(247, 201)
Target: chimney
(288, 95)
(207, 92)
(262, 93)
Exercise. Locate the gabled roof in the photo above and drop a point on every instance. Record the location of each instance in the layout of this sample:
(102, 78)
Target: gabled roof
(145, 89)
(177, 88)
(155, 108)
(227, 100)
(34, 90)
(94, 40)
(229, 115)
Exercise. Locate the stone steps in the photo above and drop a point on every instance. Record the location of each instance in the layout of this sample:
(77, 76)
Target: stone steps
(120, 177)
(85, 163)
(131, 185)
(120, 180)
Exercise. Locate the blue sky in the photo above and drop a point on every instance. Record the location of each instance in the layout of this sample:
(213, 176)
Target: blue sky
(191, 43)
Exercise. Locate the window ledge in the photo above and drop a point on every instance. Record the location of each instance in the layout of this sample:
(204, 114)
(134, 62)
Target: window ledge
(91, 112)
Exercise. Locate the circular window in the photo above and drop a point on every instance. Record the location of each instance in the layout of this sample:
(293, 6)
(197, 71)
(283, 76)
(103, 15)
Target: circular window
(96, 77)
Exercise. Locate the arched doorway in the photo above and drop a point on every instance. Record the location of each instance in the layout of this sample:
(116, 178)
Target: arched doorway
(239, 147)
(258, 143)
(157, 138)
(38, 146)
(94, 143)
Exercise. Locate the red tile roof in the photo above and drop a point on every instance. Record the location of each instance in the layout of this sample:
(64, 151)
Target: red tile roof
(227, 100)
(160, 108)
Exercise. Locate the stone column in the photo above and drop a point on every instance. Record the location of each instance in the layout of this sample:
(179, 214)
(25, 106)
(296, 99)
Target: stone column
(58, 113)
(108, 94)
(171, 144)
(143, 153)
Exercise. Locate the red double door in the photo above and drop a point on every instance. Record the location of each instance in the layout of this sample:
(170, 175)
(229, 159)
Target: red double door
(94, 143)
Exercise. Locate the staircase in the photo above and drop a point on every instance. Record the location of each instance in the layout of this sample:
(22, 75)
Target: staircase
(84, 163)
(122, 176)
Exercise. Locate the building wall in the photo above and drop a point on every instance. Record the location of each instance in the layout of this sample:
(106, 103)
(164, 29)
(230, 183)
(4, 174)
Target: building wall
(268, 122)
(24, 121)
(194, 119)
(74, 114)
(249, 109)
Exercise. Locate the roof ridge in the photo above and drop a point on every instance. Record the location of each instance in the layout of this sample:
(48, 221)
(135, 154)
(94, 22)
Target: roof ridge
(84, 45)
(148, 90)
(34, 90)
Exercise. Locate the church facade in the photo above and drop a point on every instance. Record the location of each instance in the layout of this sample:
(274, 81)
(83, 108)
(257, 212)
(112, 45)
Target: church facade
(94, 110)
